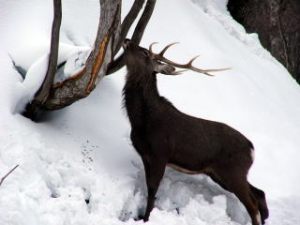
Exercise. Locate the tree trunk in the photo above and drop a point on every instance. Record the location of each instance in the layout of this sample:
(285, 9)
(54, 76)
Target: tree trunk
(277, 23)
(81, 84)
(110, 36)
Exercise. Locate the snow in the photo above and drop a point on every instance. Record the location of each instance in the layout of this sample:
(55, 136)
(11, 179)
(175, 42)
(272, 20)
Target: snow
(78, 166)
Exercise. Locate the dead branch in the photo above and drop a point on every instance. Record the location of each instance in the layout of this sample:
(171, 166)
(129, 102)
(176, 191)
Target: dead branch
(127, 23)
(42, 94)
(81, 84)
(3, 178)
(141, 26)
(136, 37)
(110, 36)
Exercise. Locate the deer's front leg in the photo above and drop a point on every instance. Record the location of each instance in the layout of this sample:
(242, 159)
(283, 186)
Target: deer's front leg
(154, 171)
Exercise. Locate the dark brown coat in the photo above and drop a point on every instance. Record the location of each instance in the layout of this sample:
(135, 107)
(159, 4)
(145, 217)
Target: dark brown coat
(164, 136)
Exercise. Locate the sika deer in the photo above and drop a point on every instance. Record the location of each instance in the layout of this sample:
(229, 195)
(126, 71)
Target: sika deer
(164, 136)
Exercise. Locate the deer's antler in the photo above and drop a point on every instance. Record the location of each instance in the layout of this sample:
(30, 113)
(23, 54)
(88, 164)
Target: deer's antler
(187, 66)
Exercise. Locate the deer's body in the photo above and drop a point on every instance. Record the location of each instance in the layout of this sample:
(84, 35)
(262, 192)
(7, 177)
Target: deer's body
(164, 136)
(156, 122)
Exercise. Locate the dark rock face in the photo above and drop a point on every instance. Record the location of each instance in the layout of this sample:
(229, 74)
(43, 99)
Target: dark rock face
(277, 23)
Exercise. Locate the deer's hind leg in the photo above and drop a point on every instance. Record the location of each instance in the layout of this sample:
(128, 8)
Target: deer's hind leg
(236, 183)
(262, 203)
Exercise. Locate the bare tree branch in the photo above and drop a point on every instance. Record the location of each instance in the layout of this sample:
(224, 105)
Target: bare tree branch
(141, 26)
(82, 83)
(115, 65)
(3, 178)
(127, 23)
(42, 94)
(110, 36)
(136, 37)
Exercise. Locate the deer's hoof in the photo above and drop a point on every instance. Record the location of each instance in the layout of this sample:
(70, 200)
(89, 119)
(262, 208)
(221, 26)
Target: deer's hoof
(140, 217)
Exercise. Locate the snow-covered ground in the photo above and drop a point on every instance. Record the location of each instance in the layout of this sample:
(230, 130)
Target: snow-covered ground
(78, 167)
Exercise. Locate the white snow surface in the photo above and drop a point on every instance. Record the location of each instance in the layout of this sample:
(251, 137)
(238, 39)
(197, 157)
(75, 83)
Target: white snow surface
(78, 166)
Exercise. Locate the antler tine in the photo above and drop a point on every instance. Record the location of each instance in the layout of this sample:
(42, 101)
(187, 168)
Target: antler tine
(208, 71)
(151, 45)
(166, 48)
(178, 72)
(192, 60)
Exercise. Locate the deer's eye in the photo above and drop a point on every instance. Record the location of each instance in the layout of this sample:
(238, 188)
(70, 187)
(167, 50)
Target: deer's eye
(146, 53)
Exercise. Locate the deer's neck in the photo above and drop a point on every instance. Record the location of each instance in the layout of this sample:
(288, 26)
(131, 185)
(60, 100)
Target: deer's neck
(141, 98)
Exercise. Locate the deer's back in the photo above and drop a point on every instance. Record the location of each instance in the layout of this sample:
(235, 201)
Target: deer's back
(192, 142)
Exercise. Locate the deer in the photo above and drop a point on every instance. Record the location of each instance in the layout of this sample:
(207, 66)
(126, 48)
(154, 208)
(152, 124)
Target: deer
(164, 137)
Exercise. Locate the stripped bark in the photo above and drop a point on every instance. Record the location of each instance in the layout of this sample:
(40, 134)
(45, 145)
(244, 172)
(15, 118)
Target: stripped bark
(110, 36)
(81, 84)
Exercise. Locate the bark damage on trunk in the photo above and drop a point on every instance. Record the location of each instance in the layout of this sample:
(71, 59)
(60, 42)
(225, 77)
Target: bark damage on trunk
(81, 84)
(110, 36)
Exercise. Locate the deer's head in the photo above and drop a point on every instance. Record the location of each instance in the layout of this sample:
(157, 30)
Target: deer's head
(138, 58)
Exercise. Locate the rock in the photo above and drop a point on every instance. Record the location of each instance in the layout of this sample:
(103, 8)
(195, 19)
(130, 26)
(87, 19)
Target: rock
(277, 23)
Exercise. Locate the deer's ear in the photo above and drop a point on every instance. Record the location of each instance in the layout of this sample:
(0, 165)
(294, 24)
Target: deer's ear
(164, 68)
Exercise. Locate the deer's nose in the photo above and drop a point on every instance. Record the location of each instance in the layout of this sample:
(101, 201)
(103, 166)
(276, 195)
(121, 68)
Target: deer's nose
(126, 43)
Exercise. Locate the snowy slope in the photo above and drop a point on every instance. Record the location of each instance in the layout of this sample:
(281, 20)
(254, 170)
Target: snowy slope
(78, 166)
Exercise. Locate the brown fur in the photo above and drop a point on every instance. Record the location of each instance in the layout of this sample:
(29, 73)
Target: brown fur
(163, 135)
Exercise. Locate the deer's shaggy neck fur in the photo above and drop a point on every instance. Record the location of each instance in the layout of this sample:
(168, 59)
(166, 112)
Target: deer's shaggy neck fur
(142, 99)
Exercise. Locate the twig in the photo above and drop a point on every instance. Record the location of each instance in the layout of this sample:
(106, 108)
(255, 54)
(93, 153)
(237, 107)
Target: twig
(12, 170)
(19, 69)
